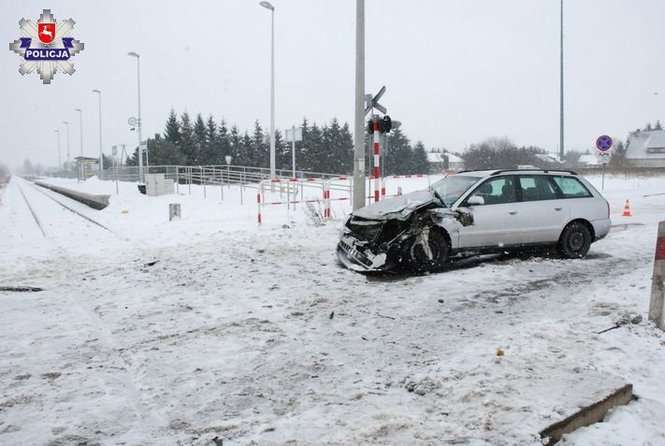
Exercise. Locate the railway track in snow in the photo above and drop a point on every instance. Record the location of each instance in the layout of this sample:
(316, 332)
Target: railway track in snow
(39, 222)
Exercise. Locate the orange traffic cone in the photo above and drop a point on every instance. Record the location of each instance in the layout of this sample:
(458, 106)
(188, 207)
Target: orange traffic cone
(626, 210)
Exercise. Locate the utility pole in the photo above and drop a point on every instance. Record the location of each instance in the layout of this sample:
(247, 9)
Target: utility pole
(271, 8)
(59, 156)
(293, 152)
(101, 153)
(67, 126)
(139, 123)
(561, 146)
(80, 127)
(359, 123)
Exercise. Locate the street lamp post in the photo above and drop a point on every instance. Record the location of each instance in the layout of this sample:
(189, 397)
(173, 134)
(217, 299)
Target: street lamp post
(59, 155)
(271, 8)
(140, 123)
(561, 148)
(80, 127)
(101, 153)
(67, 126)
(359, 124)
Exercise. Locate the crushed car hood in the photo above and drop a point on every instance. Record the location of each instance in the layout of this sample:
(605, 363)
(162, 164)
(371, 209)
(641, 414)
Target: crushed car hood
(387, 208)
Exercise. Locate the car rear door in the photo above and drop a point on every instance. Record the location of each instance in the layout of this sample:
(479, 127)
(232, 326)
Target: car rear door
(542, 209)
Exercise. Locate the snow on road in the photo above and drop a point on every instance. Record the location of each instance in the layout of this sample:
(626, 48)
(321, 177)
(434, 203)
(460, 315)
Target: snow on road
(255, 335)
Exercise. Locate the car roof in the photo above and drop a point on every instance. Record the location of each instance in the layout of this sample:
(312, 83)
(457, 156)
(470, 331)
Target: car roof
(494, 172)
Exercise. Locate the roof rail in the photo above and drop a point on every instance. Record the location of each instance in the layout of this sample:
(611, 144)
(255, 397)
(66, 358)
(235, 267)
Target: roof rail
(497, 172)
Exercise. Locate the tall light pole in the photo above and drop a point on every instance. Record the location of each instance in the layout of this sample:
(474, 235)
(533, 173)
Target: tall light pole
(561, 149)
(101, 153)
(80, 127)
(359, 127)
(139, 124)
(271, 8)
(59, 154)
(67, 125)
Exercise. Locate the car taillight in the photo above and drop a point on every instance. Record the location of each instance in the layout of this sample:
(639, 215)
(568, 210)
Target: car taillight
(608, 208)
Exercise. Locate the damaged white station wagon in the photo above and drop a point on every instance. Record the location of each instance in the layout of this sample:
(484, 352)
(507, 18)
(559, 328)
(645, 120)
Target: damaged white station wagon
(476, 212)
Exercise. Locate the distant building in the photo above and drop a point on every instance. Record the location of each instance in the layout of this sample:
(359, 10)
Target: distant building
(440, 161)
(589, 161)
(548, 158)
(86, 166)
(646, 148)
(455, 162)
(436, 162)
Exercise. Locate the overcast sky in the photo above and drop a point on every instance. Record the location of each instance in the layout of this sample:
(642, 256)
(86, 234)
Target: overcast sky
(457, 71)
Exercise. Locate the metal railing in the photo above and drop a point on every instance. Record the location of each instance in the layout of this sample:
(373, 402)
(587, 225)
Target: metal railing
(213, 173)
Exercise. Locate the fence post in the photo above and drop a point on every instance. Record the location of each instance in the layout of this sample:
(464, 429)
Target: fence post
(203, 180)
(189, 172)
(177, 179)
(656, 310)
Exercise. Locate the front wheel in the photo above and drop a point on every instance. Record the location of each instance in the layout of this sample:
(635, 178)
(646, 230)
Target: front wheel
(428, 250)
(575, 240)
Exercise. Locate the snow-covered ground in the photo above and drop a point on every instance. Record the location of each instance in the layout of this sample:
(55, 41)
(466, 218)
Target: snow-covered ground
(254, 335)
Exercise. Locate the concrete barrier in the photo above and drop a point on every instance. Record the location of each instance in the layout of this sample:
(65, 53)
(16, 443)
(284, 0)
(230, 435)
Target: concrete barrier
(98, 202)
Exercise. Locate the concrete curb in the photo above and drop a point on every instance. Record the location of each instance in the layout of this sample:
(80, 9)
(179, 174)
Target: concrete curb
(98, 202)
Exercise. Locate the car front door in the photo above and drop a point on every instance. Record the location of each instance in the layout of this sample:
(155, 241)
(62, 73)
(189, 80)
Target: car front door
(543, 210)
(495, 210)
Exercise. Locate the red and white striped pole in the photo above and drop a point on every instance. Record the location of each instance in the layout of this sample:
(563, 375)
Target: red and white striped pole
(377, 157)
(258, 202)
(657, 304)
(326, 202)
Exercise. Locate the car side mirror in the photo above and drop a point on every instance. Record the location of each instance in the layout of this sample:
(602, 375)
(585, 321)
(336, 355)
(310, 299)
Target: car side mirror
(475, 200)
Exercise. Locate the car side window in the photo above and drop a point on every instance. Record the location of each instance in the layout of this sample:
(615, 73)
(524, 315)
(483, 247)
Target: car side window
(537, 188)
(571, 187)
(497, 191)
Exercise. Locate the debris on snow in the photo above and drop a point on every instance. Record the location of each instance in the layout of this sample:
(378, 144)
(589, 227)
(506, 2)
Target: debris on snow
(423, 386)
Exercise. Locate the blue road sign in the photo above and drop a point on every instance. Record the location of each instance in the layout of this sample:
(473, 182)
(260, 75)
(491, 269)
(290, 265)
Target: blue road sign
(604, 143)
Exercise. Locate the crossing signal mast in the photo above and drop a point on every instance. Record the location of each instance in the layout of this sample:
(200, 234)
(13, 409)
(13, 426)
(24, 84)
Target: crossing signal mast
(377, 126)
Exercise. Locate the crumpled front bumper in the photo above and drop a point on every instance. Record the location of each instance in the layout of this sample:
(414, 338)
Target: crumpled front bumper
(357, 256)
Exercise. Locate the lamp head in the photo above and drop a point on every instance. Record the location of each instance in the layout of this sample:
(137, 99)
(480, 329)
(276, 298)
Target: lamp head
(267, 5)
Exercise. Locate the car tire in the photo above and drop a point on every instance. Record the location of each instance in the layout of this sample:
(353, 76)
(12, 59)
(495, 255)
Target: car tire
(575, 240)
(428, 251)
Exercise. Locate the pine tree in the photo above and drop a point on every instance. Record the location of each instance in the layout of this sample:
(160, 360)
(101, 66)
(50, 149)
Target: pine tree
(187, 143)
(200, 140)
(172, 129)
(314, 156)
(235, 144)
(658, 125)
(419, 165)
(259, 151)
(223, 142)
(210, 149)
(246, 148)
(301, 147)
(163, 152)
(398, 156)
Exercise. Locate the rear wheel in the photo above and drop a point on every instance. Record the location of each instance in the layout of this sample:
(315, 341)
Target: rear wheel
(428, 250)
(575, 240)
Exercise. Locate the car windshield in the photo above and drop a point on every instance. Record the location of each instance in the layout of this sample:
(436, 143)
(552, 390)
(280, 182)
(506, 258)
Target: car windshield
(450, 188)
